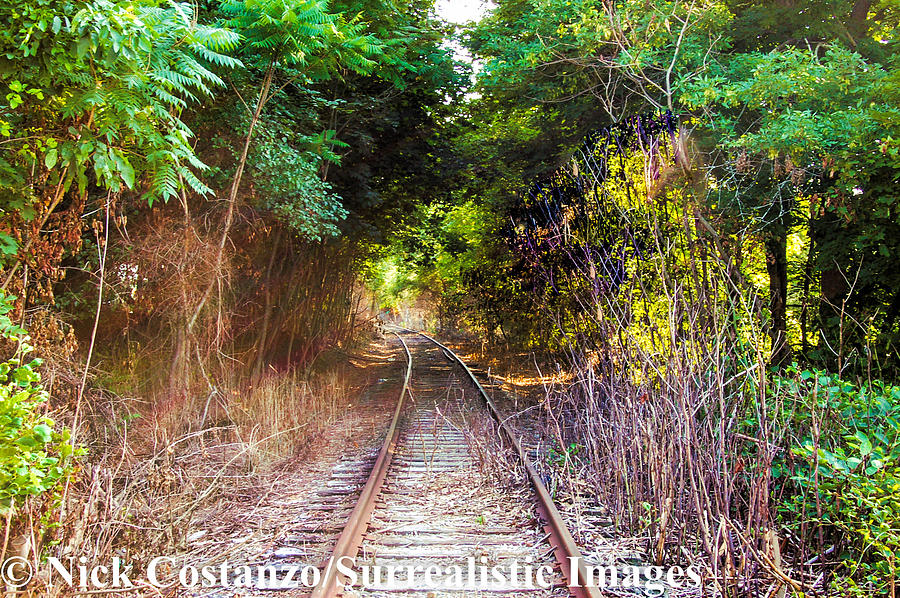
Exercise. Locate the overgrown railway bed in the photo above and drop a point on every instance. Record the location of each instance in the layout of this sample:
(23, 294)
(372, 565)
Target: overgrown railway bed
(420, 517)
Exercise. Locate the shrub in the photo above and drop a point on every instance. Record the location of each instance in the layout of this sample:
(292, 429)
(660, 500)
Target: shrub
(850, 457)
(34, 457)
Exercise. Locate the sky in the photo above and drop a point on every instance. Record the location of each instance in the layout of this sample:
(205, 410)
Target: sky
(461, 11)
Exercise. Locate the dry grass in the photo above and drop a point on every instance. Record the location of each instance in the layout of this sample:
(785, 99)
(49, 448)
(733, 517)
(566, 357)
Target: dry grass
(667, 428)
(496, 460)
(276, 417)
(150, 480)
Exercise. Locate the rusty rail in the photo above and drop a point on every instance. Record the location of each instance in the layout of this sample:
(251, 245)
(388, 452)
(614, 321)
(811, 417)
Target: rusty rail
(564, 546)
(351, 537)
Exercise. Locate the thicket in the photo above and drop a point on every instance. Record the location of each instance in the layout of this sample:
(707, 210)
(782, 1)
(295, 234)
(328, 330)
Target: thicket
(37, 456)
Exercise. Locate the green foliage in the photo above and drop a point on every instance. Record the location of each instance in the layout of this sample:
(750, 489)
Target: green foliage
(302, 46)
(810, 105)
(304, 33)
(297, 196)
(566, 457)
(397, 122)
(589, 55)
(762, 25)
(848, 475)
(94, 91)
(793, 126)
(815, 129)
(35, 458)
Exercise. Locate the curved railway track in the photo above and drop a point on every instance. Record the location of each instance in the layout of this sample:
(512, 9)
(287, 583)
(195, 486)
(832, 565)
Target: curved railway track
(425, 507)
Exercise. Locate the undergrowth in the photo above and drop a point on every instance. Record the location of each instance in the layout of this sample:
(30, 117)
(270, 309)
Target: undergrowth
(162, 465)
(840, 473)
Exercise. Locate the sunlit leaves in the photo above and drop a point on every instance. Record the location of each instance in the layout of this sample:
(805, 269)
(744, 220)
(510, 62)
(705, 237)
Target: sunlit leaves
(567, 51)
(302, 32)
(808, 105)
(120, 72)
(298, 196)
(34, 456)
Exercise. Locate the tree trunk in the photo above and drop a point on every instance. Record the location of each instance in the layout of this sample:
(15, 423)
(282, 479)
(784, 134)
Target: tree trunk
(178, 369)
(233, 193)
(267, 314)
(807, 281)
(858, 23)
(776, 265)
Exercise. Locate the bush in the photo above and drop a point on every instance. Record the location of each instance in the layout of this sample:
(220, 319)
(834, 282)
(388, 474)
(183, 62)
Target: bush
(852, 441)
(34, 457)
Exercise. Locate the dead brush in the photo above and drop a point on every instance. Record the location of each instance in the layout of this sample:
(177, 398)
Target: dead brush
(662, 416)
(279, 415)
(496, 460)
(668, 403)
(155, 480)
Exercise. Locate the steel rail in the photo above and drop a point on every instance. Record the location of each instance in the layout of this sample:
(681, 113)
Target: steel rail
(351, 537)
(564, 546)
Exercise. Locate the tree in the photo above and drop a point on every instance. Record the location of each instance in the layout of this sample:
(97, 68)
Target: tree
(803, 123)
(772, 96)
(282, 34)
(96, 93)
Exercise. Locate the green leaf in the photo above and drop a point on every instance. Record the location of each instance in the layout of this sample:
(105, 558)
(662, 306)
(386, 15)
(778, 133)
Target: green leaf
(43, 432)
(27, 442)
(51, 158)
(84, 45)
(125, 169)
(865, 445)
(8, 245)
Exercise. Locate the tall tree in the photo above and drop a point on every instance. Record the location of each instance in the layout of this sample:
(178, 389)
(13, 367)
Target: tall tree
(279, 35)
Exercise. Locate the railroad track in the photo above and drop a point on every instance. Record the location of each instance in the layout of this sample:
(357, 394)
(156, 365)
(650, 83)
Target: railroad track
(427, 521)
(424, 503)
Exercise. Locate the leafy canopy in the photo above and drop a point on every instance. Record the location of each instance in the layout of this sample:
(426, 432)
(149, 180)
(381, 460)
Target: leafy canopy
(95, 88)
(302, 33)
